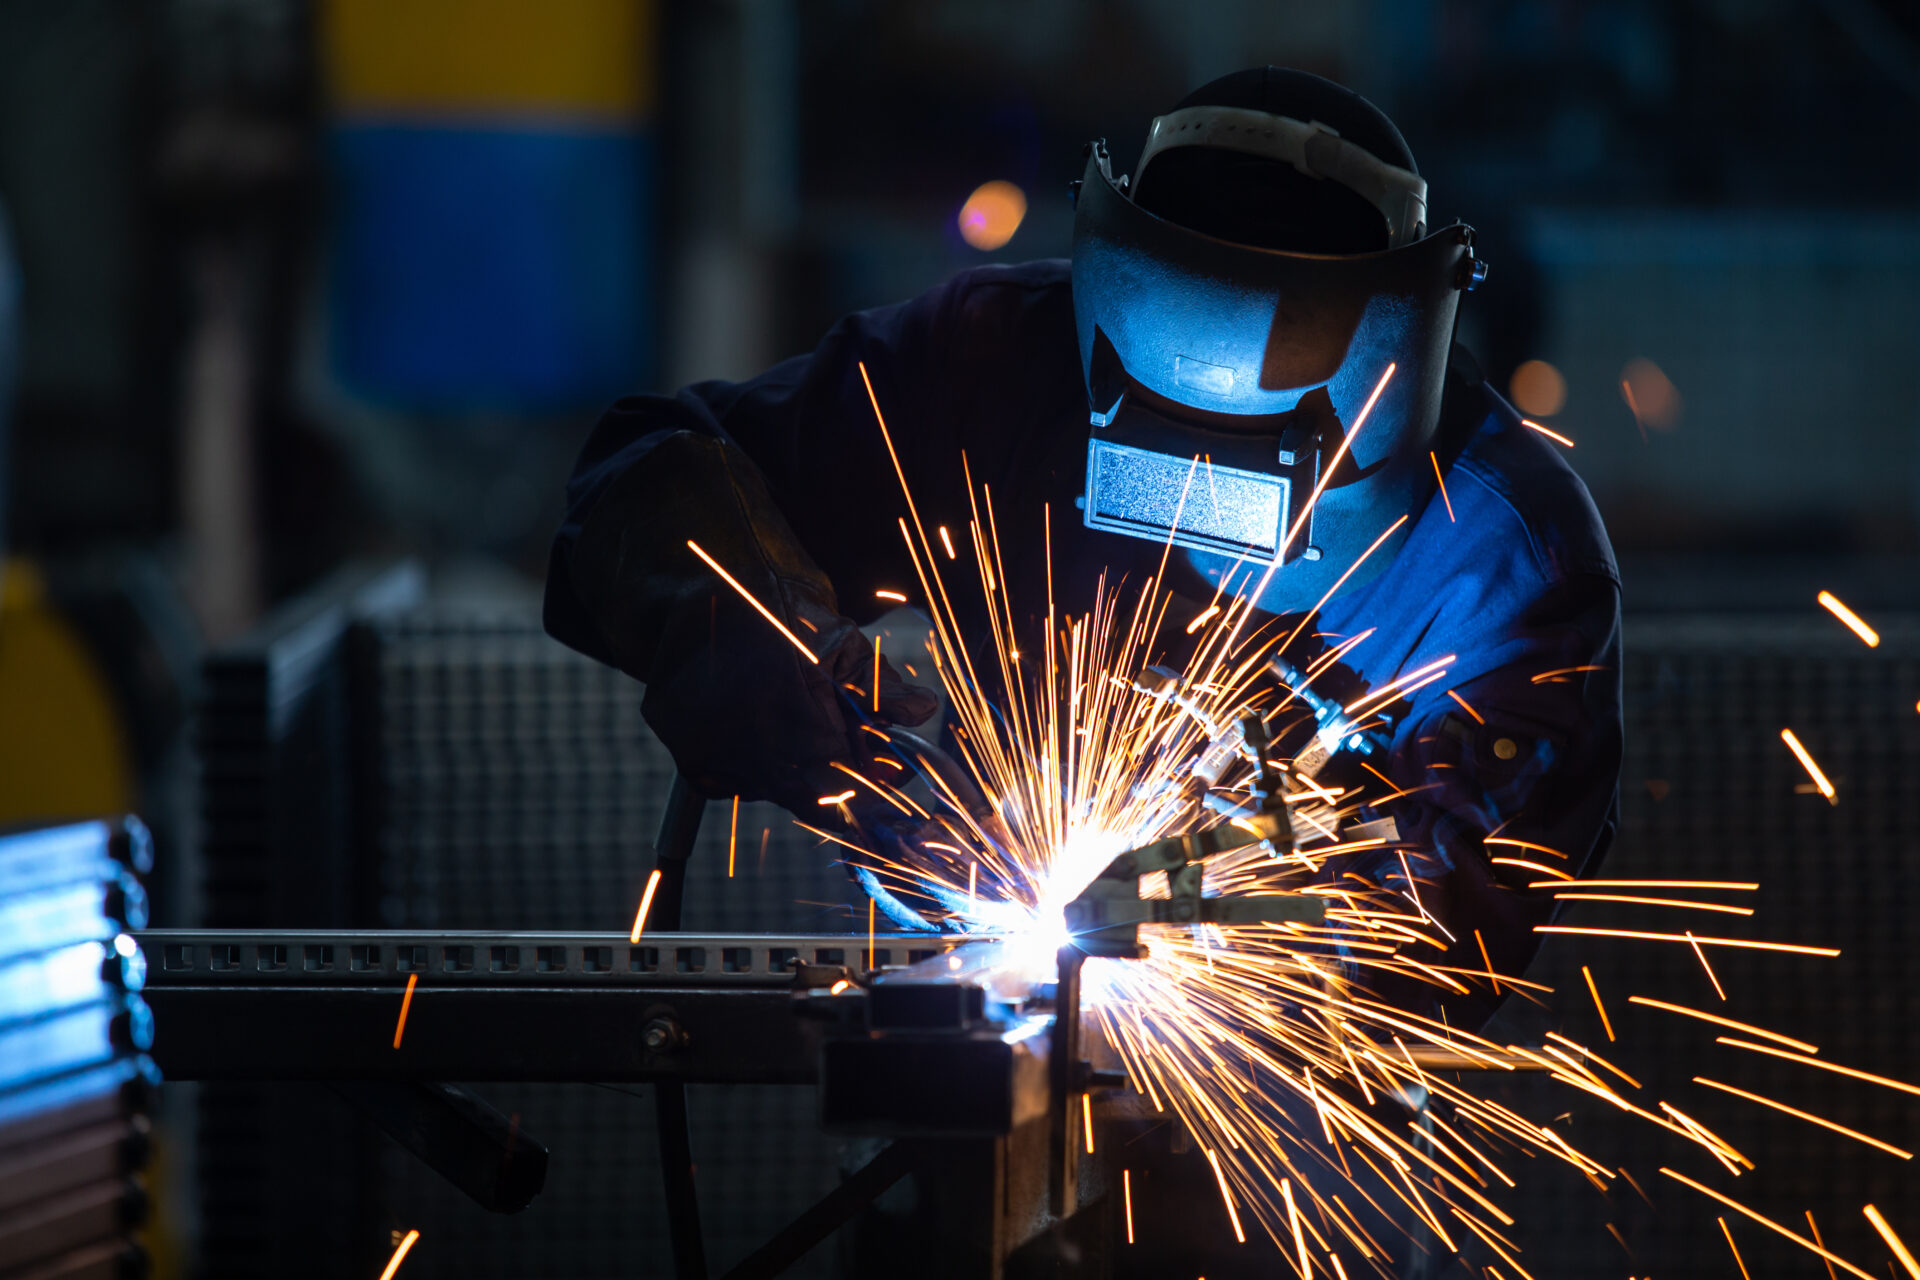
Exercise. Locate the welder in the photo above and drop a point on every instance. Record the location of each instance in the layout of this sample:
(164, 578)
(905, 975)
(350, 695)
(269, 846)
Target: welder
(1265, 291)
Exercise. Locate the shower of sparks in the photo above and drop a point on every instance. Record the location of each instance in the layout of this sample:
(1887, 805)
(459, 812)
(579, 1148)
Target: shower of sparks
(1831, 603)
(1894, 1242)
(646, 903)
(1265, 1043)
(1806, 762)
(399, 1255)
(406, 1003)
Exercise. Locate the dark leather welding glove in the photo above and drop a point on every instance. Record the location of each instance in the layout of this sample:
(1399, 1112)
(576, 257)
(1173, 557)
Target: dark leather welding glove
(741, 709)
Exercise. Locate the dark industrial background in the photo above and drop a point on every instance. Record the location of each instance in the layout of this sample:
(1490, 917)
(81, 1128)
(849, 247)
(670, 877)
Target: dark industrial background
(304, 310)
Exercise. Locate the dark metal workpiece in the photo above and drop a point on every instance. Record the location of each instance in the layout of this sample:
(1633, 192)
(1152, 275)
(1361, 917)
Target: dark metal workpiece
(458, 1135)
(799, 1237)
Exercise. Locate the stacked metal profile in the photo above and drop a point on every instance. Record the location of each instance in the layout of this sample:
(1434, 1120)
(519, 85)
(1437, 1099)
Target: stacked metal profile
(518, 788)
(74, 1034)
(1711, 792)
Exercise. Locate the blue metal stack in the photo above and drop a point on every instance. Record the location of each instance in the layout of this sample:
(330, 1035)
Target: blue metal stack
(75, 1078)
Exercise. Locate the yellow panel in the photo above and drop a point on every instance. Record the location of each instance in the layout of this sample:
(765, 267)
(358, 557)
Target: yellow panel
(62, 752)
(592, 58)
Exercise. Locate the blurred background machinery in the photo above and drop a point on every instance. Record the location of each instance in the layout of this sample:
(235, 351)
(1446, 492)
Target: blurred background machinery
(294, 285)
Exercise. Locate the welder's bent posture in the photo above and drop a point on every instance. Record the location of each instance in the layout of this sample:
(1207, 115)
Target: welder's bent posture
(1267, 272)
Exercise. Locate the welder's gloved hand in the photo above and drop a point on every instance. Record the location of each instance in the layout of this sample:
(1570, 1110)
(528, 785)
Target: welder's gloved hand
(741, 709)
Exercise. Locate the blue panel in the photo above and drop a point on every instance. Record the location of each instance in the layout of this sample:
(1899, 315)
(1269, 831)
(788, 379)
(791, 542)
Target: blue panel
(491, 268)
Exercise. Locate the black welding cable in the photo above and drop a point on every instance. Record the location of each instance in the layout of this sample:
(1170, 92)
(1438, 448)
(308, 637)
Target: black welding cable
(678, 827)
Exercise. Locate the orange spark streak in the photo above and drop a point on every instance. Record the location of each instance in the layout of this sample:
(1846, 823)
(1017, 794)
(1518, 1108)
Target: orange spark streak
(1654, 902)
(1731, 1245)
(747, 595)
(1346, 443)
(406, 1002)
(1749, 943)
(1834, 1067)
(1227, 1196)
(1853, 620)
(646, 901)
(1523, 844)
(1126, 1193)
(1443, 485)
(1815, 1228)
(1605, 1021)
(1544, 676)
(1645, 884)
(897, 596)
(1201, 621)
(1806, 762)
(946, 540)
(1750, 1029)
(1467, 707)
(827, 802)
(1855, 1134)
(876, 675)
(733, 836)
(1881, 1225)
(1534, 866)
(1489, 961)
(1554, 436)
(399, 1255)
(1086, 1114)
(1712, 977)
(1293, 1220)
(1433, 669)
(871, 955)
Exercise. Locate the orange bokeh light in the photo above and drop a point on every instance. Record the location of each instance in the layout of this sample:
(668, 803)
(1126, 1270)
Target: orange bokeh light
(1538, 389)
(1651, 395)
(992, 214)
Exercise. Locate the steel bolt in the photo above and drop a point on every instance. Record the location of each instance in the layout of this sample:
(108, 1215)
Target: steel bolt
(662, 1035)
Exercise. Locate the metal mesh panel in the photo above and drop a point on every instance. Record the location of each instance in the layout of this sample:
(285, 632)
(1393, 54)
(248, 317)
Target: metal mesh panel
(1709, 791)
(516, 787)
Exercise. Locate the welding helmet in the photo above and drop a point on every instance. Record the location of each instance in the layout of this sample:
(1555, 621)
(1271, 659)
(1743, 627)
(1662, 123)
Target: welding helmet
(1237, 329)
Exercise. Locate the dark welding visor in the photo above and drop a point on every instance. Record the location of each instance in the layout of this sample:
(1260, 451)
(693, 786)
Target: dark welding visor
(1258, 363)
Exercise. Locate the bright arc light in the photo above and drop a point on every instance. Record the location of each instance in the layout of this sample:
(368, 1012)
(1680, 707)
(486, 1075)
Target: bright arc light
(992, 214)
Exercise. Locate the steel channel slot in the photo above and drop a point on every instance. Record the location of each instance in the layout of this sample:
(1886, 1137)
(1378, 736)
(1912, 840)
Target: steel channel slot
(237, 958)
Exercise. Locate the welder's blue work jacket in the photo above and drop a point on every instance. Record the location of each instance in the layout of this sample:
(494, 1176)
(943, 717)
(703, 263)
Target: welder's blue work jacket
(1511, 761)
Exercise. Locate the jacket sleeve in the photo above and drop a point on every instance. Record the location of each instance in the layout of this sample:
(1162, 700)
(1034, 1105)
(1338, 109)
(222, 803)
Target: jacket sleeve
(784, 482)
(1512, 772)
